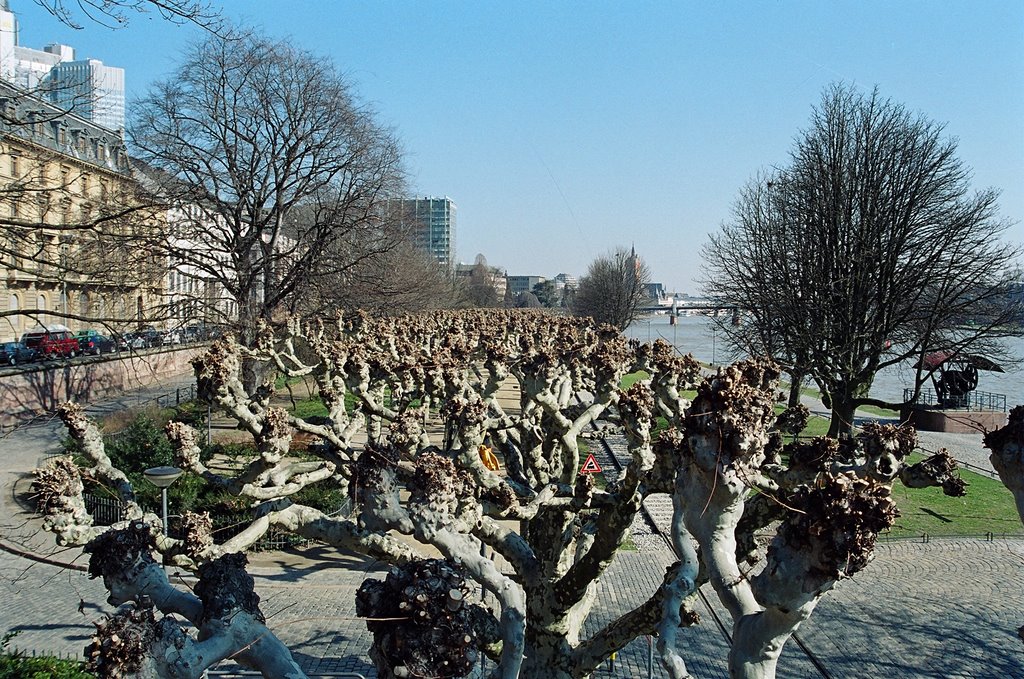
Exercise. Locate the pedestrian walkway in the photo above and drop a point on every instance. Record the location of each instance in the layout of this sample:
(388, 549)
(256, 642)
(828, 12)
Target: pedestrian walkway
(25, 447)
(948, 608)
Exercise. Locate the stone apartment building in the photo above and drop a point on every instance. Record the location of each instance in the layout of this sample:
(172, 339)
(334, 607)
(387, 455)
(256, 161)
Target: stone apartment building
(72, 230)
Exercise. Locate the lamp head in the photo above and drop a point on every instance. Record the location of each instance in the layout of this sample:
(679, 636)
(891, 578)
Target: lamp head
(162, 477)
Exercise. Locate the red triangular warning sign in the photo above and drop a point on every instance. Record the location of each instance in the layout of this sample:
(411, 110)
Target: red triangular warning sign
(591, 466)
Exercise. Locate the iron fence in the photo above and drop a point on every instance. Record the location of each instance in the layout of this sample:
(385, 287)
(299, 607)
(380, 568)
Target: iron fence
(165, 400)
(107, 511)
(975, 400)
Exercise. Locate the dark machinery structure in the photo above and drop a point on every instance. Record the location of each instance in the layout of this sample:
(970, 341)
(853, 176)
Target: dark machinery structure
(955, 376)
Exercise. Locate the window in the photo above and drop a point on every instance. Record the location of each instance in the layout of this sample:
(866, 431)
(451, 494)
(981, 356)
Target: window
(83, 303)
(15, 166)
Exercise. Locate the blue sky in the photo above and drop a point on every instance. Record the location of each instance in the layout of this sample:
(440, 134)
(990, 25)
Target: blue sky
(563, 130)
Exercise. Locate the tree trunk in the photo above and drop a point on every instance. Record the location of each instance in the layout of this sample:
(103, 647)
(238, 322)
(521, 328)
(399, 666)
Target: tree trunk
(844, 407)
(758, 640)
(546, 655)
(797, 380)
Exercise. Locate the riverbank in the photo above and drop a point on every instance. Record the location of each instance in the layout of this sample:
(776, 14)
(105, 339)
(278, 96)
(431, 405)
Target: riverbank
(698, 335)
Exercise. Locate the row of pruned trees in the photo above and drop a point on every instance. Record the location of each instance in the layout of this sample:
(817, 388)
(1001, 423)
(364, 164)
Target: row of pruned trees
(412, 404)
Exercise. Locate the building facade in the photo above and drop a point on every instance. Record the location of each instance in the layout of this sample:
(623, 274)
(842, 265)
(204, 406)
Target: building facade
(431, 221)
(520, 284)
(72, 233)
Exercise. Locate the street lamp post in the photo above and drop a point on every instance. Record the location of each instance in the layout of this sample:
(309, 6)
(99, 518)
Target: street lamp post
(162, 478)
(714, 342)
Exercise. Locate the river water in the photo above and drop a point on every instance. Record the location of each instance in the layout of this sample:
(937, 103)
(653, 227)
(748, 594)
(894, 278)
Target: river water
(697, 335)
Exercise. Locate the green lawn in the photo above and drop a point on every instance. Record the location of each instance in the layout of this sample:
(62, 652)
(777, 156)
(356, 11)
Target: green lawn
(311, 407)
(987, 508)
(816, 426)
(631, 378)
(878, 412)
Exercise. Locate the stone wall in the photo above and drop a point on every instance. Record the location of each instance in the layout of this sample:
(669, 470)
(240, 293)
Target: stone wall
(41, 388)
(954, 421)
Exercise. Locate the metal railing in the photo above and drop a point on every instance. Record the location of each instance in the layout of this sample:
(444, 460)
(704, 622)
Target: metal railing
(167, 399)
(106, 511)
(974, 400)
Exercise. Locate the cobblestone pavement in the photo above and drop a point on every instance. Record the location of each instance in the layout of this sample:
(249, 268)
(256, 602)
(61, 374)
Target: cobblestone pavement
(943, 609)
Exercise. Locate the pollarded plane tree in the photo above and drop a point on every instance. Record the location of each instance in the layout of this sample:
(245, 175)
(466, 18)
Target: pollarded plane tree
(381, 381)
(1007, 457)
(1007, 446)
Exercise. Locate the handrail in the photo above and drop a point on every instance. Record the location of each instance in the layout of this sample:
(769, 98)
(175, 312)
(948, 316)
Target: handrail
(974, 400)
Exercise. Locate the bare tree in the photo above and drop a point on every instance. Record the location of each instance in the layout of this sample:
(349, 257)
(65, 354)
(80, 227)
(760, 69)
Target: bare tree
(401, 278)
(279, 176)
(479, 287)
(614, 289)
(866, 250)
(114, 13)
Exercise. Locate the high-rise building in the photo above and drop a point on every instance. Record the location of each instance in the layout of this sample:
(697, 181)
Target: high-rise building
(88, 89)
(432, 221)
(84, 87)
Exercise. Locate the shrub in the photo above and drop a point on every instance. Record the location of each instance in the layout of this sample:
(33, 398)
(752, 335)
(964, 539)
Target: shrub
(15, 664)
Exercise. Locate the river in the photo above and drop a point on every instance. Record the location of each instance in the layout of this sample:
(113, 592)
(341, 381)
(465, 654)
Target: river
(697, 335)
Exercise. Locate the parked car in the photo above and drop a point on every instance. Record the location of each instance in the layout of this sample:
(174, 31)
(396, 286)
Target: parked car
(13, 353)
(176, 336)
(193, 333)
(151, 337)
(130, 340)
(52, 343)
(91, 342)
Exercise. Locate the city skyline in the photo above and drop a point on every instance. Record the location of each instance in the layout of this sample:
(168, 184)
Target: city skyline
(83, 86)
(563, 132)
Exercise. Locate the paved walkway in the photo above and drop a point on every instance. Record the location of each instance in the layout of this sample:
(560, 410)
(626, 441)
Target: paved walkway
(947, 608)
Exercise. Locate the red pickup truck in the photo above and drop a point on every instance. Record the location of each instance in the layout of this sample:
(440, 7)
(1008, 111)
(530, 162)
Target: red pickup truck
(52, 343)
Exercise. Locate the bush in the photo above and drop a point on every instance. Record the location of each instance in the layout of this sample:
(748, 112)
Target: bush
(141, 444)
(16, 665)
